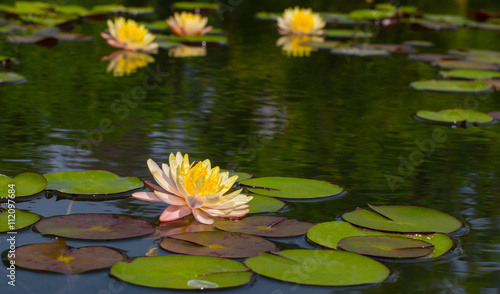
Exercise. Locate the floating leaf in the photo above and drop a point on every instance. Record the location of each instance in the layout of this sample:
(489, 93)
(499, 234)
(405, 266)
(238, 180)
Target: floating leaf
(322, 45)
(347, 34)
(241, 176)
(432, 25)
(386, 246)
(267, 226)
(92, 182)
(494, 84)
(186, 224)
(463, 64)
(221, 40)
(472, 52)
(260, 204)
(164, 43)
(495, 115)
(7, 78)
(25, 184)
(329, 235)
(157, 26)
(360, 52)
(70, 37)
(469, 74)
(17, 220)
(418, 43)
(366, 14)
(47, 41)
(447, 86)
(94, 226)
(319, 267)
(291, 188)
(394, 48)
(431, 57)
(195, 5)
(448, 18)
(219, 244)
(57, 257)
(452, 116)
(407, 219)
(268, 15)
(7, 61)
(71, 9)
(182, 272)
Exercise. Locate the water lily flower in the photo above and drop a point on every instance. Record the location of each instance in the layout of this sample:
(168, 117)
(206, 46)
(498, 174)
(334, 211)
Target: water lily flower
(188, 24)
(128, 35)
(187, 51)
(198, 189)
(124, 62)
(292, 45)
(300, 21)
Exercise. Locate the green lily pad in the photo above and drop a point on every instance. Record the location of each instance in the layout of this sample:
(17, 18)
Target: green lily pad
(386, 7)
(92, 182)
(9, 78)
(418, 43)
(367, 14)
(195, 5)
(410, 11)
(136, 11)
(7, 61)
(329, 235)
(463, 64)
(431, 25)
(319, 267)
(386, 246)
(448, 18)
(469, 74)
(187, 224)
(432, 57)
(291, 188)
(109, 8)
(447, 86)
(182, 272)
(322, 45)
(57, 257)
(474, 52)
(347, 34)
(164, 43)
(71, 9)
(19, 219)
(219, 244)
(157, 26)
(406, 219)
(260, 204)
(340, 18)
(94, 226)
(453, 116)
(241, 175)
(49, 21)
(267, 226)
(24, 184)
(221, 40)
(360, 52)
(263, 15)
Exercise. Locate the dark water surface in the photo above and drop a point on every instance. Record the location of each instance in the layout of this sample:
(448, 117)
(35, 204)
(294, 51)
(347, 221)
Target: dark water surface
(249, 107)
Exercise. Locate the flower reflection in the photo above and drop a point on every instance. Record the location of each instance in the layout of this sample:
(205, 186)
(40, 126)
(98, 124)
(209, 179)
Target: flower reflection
(124, 62)
(187, 51)
(291, 45)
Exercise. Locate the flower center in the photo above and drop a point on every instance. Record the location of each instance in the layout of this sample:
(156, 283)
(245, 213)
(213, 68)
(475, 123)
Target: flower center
(303, 22)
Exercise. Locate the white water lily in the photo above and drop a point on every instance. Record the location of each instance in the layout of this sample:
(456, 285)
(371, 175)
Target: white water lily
(300, 21)
(128, 35)
(188, 24)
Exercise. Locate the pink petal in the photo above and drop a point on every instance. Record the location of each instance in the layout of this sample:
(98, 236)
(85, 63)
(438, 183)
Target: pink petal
(194, 201)
(202, 217)
(206, 30)
(106, 36)
(170, 198)
(154, 187)
(174, 212)
(146, 196)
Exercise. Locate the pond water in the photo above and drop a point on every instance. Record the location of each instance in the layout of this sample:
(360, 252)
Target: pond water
(249, 107)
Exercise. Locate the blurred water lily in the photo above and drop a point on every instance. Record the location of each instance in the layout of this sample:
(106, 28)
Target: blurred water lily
(187, 51)
(128, 35)
(291, 45)
(124, 62)
(198, 189)
(300, 21)
(188, 24)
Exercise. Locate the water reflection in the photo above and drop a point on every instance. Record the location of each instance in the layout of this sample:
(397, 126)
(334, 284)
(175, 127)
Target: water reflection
(124, 62)
(187, 51)
(292, 45)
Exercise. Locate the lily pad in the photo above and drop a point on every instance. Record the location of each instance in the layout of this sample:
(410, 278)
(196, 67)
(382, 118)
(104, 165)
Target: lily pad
(448, 18)
(70, 37)
(263, 15)
(157, 26)
(57, 257)
(360, 52)
(164, 43)
(469, 74)
(260, 204)
(218, 39)
(17, 220)
(463, 64)
(25, 184)
(267, 226)
(329, 235)
(9, 78)
(406, 219)
(94, 226)
(46, 41)
(347, 34)
(195, 5)
(94, 182)
(452, 116)
(495, 115)
(182, 272)
(367, 14)
(432, 57)
(386, 246)
(186, 224)
(241, 175)
(319, 267)
(219, 244)
(322, 45)
(418, 43)
(291, 188)
(7, 61)
(494, 84)
(447, 86)
(393, 48)
(472, 52)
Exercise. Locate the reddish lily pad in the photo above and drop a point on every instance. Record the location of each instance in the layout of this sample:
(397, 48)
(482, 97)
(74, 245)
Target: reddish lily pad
(94, 226)
(386, 246)
(469, 52)
(432, 57)
(405, 219)
(267, 226)
(186, 224)
(418, 43)
(393, 48)
(462, 64)
(494, 84)
(57, 257)
(495, 114)
(219, 244)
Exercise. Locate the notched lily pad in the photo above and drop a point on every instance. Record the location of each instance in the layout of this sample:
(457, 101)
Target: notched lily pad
(386, 246)
(219, 244)
(319, 267)
(92, 182)
(291, 188)
(447, 86)
(57, 257)
(260, 204)
(24, 184)
(18, 220)
(406, 219)
(455, 116)
(469, 74)
(94, 226)
(7, 78)
(267, 226)
(182, 272)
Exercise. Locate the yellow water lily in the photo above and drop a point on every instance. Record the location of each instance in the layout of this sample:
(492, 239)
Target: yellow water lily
(300, 21)
(188, 24)
(128, 35)
(187, 51)
(124, 62)
(291, 45)
(194, 188)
